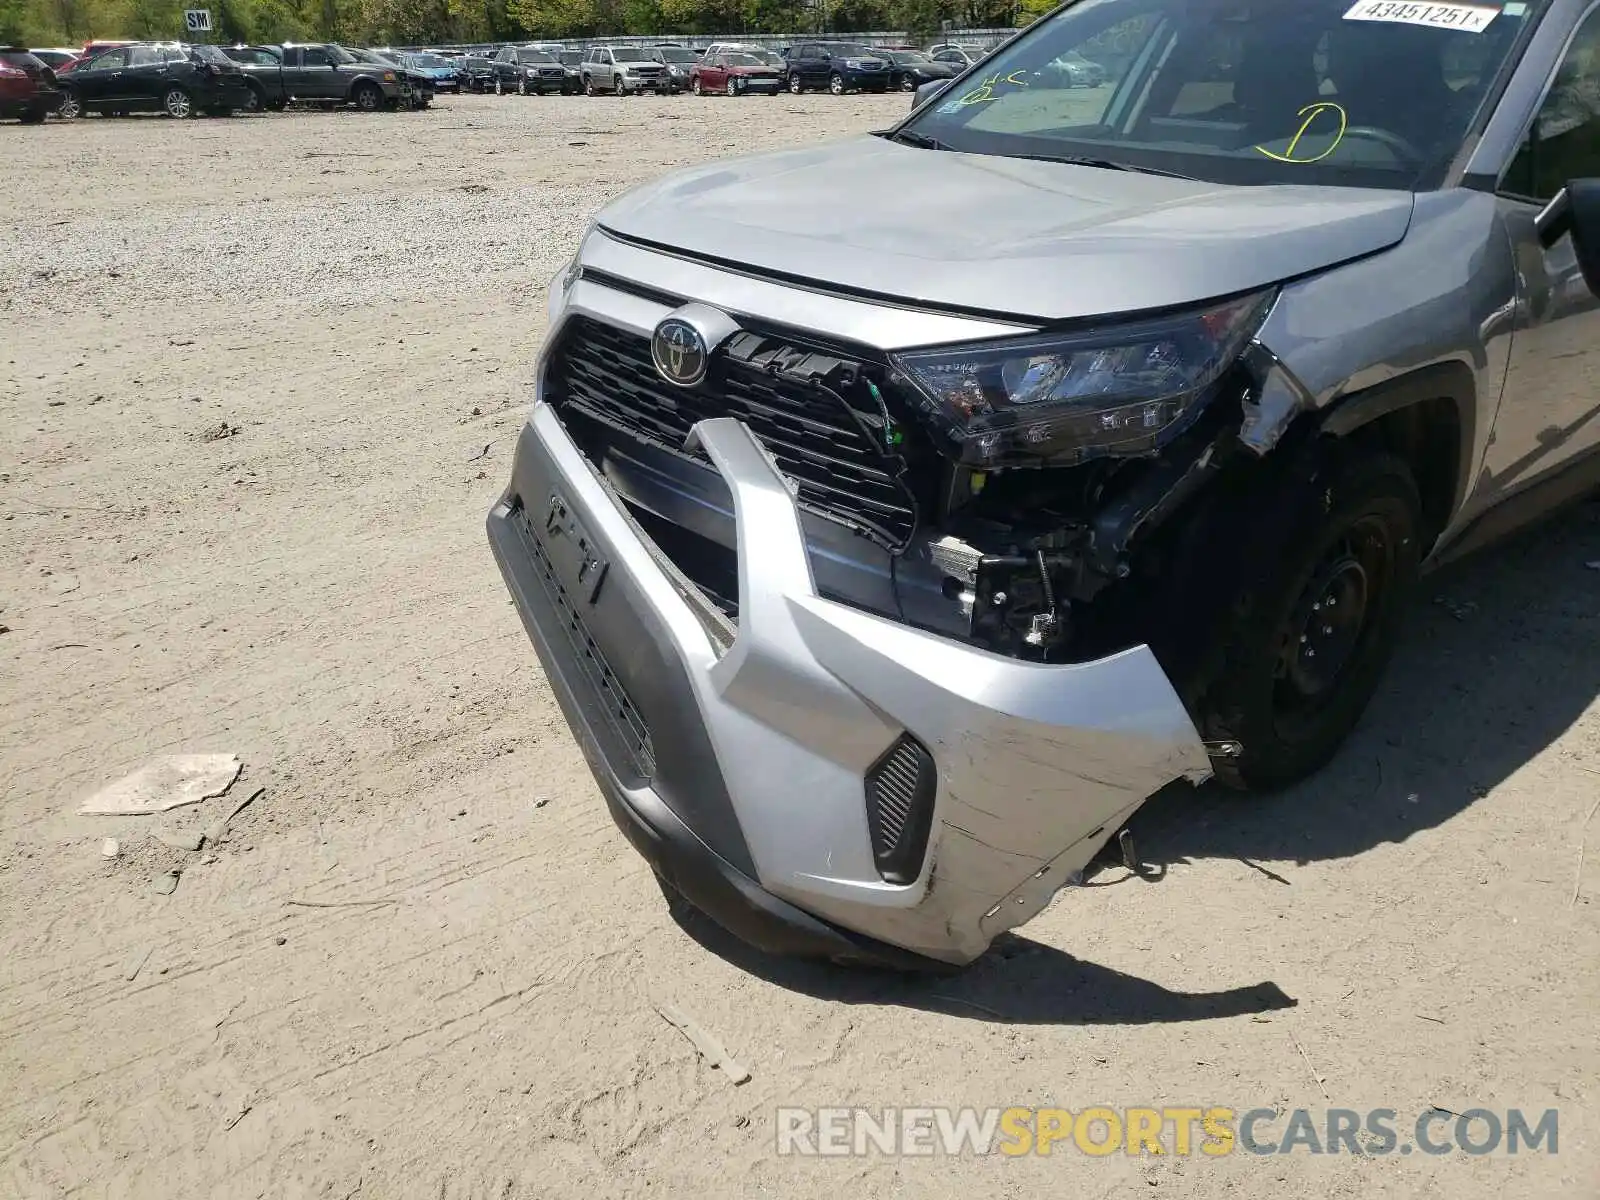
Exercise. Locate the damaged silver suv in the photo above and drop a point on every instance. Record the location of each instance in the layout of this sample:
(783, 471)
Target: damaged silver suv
(895, 516)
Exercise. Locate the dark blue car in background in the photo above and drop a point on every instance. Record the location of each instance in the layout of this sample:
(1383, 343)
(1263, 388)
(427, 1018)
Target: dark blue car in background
(443, 71)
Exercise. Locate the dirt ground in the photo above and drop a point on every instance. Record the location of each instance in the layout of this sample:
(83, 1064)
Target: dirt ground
(259, 382)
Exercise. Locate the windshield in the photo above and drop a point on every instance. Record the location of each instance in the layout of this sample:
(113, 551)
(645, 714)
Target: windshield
(571, 58)
(533, 56)
(846, 50)
(742, 60)
(628, 54)
(675, 54)
(211, 54)
(1377, 93)
(340, 55)
(907, 58)
(430, 61)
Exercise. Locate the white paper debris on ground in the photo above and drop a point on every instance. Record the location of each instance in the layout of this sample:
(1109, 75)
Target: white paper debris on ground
(166, 783)
(110, 848)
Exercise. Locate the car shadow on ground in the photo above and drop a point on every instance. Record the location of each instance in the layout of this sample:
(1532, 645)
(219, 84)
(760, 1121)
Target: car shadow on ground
(1500, 658)
(1018, 982)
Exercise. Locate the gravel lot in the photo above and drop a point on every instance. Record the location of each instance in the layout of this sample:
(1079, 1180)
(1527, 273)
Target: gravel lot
(260, 381)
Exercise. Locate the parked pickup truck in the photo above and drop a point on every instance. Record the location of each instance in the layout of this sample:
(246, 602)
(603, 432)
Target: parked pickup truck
(320, 74)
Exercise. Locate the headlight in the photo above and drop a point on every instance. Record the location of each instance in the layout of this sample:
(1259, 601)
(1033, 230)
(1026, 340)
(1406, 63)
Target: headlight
(1121, 389)
(388, 76)
(855, 63)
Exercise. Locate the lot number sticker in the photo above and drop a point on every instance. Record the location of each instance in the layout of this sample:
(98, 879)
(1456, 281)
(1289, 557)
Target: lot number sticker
(197, 20)
(1474, 18)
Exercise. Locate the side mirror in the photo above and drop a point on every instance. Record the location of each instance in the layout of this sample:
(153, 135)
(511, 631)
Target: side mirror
(1575, 210)
(927, 91)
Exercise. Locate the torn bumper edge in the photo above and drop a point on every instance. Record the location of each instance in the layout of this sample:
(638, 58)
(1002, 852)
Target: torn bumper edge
(1037, 765)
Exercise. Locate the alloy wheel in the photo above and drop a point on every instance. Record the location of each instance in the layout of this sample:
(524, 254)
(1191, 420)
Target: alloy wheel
(836, 84)
(732, 90)
(177, 104)
(71, 106)
(795, 86)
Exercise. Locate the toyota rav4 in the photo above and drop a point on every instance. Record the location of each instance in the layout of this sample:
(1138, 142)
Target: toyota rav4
(895, 516)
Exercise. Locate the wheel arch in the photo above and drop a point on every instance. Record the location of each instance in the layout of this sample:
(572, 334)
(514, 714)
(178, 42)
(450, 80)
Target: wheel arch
(1429, 418)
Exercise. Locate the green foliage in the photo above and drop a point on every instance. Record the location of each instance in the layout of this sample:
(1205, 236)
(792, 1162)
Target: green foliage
(408, 22)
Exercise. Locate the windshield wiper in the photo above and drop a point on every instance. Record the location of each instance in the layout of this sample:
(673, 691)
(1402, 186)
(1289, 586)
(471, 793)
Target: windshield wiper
(1105, 164)
(909, 137)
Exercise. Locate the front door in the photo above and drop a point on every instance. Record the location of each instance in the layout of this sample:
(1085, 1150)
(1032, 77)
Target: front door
(714, 74)
(1550, 413)
(102, 81)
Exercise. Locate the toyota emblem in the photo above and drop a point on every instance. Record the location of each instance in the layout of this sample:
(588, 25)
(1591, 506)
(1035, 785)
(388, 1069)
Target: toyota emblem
(679, 352)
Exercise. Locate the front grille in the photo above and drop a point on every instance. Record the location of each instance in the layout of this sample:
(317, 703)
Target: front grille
(621, 714)
(605, 375)
(900, 788)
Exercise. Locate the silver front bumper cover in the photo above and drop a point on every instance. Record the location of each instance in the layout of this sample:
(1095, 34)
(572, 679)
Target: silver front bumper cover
(1037, 765)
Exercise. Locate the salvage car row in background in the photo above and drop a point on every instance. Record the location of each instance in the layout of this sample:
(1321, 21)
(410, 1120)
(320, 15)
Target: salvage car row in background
(187, 80)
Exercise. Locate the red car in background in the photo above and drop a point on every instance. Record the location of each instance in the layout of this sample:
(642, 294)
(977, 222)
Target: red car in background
(90, 49)
(27, 87)
(735, 74)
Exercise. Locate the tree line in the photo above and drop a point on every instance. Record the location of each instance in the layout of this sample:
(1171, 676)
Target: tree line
(420, 22)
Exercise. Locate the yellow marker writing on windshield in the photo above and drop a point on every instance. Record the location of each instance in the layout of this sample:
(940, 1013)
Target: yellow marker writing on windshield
(984, 92)
(1311, 112)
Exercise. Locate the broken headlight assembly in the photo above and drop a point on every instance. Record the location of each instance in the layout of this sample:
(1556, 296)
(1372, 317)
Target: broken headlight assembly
(1061, 398)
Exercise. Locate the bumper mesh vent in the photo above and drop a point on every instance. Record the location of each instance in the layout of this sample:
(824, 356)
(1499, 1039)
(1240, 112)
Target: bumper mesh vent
(899, 794)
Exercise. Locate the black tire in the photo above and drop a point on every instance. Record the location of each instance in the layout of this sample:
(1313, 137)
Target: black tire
(33, 116)
(1348, 532)
(836, 84)
(696, 87)
(522, 85)
(908, 84)
(730, 88)
(368, 97)
(71, 107)
(796, 86)
(257, 101)
(588, 85)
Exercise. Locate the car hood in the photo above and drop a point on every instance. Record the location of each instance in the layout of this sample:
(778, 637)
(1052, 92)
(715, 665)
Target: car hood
(1003, 235)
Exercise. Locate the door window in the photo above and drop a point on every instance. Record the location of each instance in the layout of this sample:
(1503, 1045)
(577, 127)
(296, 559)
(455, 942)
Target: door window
(1564, 140)
(318, 58)
(111, 60)
(144, 56)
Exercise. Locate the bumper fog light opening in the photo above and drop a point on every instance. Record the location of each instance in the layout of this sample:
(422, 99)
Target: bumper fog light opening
(900, 789)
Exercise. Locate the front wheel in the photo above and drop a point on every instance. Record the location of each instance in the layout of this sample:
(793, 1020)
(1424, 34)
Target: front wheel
(836, 84)
(1305, 642)
(795, 86)
(908, 84)
(731, 89)
(177, 104)
(588, 86)
(256, 103)
(368, 98)
(522, 87)
(694, 86)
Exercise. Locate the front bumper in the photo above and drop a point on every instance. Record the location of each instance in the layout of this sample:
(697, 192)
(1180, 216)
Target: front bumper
(734, 760)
